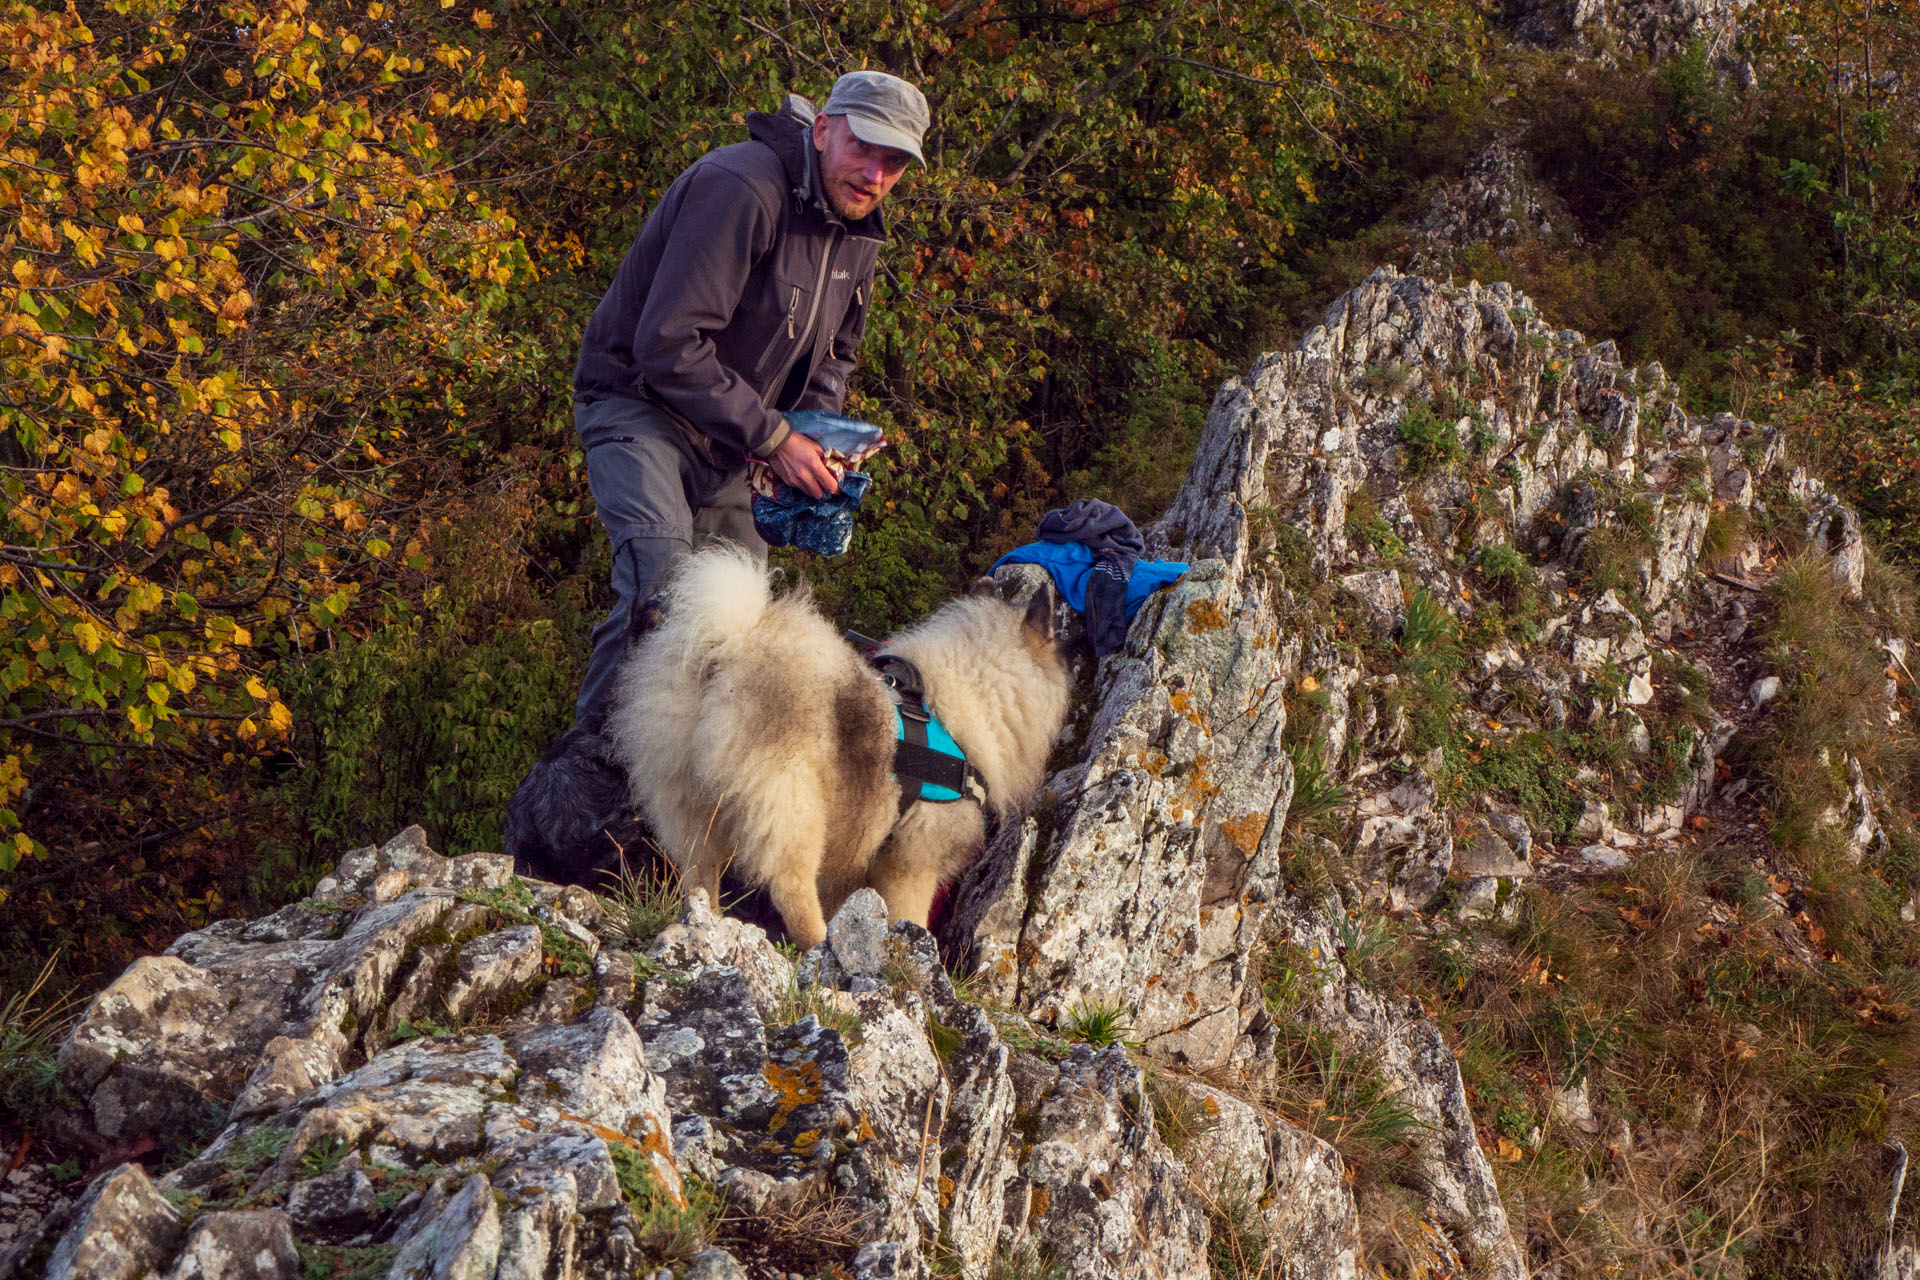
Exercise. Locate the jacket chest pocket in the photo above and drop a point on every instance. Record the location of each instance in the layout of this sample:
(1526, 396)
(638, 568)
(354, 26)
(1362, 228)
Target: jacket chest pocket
(790, 315)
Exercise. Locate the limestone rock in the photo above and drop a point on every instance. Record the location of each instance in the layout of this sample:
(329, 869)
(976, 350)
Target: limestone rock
(240, 1244)
(1184, 789)
(122, 1228)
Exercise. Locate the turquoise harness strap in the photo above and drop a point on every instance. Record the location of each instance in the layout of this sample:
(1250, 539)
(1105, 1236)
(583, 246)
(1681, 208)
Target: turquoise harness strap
(929, 764)
(926, 757)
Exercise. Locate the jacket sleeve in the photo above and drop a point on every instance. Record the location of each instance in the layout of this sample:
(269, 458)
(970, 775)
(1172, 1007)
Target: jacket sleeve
(720, 230)
(827, 388)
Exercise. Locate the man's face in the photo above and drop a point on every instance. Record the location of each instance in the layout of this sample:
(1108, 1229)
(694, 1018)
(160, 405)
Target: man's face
(857, 175)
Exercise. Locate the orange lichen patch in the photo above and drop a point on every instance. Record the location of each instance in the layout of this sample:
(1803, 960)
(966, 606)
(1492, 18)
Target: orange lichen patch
(1182, 704)
(804, 1144)
(1037, 1202)
(1210, 1105)
(1205, 615)
(946, 1191)
(1245, 832)
(1199, 790)
(650, 1143)
(865, 1131)
(796, 1087)
(1153, 762)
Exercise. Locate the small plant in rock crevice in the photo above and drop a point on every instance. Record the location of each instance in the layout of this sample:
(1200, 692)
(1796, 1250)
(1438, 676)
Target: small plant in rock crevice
(1505, 570)
(324, 1155)
(1427, 629)
(646, 899)
(1429, 439)
(1316, 795)
(1181, 1114)
(1098, 1022)
(818, 1003)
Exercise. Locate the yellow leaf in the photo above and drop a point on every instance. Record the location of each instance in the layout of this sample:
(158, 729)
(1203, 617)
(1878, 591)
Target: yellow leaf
(87, 636)
(281, 717)
(256, 688)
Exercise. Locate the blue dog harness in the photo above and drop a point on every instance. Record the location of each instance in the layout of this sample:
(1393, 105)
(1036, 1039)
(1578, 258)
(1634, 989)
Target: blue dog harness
(928, 762)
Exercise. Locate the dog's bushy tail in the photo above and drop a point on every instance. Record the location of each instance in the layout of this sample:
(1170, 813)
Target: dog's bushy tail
(717, 595)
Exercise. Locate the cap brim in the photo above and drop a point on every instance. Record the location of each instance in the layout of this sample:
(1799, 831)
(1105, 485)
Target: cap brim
(876, 133)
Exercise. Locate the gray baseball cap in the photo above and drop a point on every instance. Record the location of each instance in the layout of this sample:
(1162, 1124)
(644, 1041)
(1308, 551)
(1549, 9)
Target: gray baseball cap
(882, 110)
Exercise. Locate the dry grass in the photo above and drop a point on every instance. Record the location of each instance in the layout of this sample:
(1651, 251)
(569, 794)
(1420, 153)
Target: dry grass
(815, 1237)
(645, 898)
(1739, 1098)
(30, 1035)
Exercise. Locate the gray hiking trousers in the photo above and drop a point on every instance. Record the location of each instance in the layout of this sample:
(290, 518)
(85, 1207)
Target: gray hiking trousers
(660, 492)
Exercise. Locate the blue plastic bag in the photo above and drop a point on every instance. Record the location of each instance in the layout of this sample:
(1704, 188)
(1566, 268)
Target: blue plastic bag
(823, 526)
(785, 517)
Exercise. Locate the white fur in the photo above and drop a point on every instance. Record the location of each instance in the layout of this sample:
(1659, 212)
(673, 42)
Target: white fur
(756, 739)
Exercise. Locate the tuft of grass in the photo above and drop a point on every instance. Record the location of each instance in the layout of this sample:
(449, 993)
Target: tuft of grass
(29, 1040)
(1362, 944)
(1179, 1114)
(1345, 1099)
(1316, 796)
(344, 1262)
(1725, 537)
(1238, 1246)
(1427, 629)
(666, 1231)
(1098, 1022)
(799, 1002)
(255, 1148)
(646, 900)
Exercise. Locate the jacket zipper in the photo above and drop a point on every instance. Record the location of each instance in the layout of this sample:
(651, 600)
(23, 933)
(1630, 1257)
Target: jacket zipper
(820, 280)
(773, 343)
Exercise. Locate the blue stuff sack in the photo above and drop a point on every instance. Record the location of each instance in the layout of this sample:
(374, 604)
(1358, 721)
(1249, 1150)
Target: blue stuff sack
(823, 526)
(836, 433)
(785, 517)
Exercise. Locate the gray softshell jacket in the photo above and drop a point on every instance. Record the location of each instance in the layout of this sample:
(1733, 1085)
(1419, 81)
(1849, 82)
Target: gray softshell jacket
(743, 295)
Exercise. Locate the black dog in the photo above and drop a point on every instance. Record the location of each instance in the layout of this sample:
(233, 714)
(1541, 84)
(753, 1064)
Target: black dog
(569, 820)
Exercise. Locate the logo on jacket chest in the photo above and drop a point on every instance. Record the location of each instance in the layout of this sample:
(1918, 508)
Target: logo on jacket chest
(841, 273)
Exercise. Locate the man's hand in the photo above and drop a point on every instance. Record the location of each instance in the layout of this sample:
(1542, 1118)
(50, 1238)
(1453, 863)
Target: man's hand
(803, 464)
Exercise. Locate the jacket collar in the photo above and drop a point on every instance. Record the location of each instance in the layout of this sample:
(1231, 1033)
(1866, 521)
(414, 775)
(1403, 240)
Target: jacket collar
(789, 133)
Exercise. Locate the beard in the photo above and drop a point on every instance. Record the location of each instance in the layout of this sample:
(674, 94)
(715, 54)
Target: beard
(848, 213)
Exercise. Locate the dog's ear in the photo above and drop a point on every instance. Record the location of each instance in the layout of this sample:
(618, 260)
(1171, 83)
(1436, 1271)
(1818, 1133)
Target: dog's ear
(984, 588)
(1040, 614)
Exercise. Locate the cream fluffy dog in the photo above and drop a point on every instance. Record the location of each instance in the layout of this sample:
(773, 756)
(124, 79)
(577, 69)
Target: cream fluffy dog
(757, 740)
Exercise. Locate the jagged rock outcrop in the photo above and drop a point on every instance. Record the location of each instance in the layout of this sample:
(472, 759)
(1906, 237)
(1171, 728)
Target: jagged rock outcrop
(1615, 29)
(431, 1067)
(600, 1100)
(1494, 201)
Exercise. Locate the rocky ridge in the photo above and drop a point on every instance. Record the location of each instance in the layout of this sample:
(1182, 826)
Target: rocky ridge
(432, 1067)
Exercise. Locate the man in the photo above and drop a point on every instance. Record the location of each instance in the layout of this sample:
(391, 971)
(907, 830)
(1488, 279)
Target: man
(745, 295)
